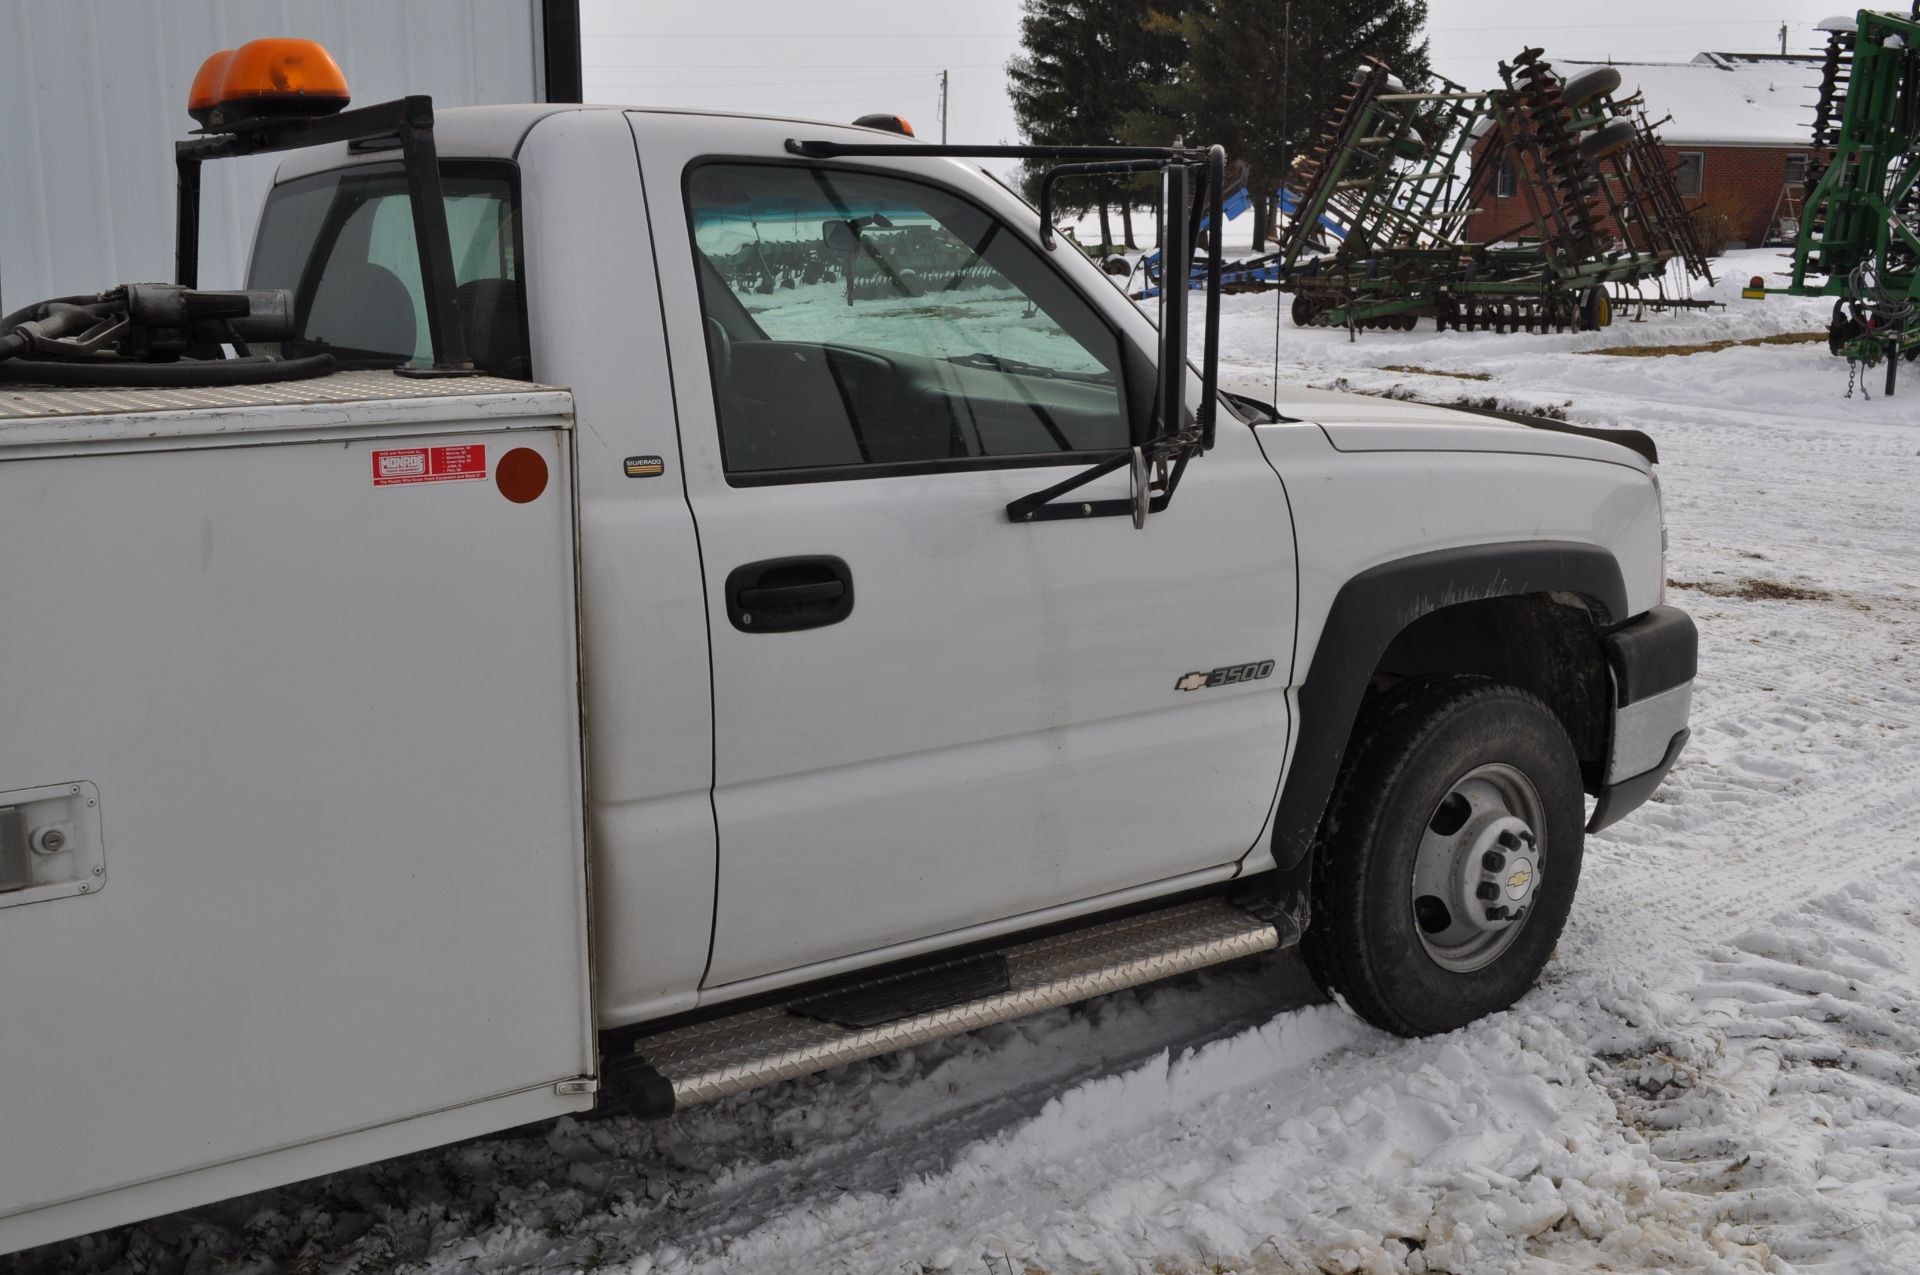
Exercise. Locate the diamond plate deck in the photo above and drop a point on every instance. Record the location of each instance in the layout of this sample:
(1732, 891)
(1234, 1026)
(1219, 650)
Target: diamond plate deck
(26, 402)
(713, 1060)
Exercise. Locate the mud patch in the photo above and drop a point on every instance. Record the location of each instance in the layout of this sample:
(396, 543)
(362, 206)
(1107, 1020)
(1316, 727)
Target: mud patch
(1706, 347)
(1476, 402)
(1755, 589)
(1415, 370)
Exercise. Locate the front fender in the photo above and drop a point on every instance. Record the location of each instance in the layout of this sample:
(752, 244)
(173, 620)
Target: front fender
(1373, 607)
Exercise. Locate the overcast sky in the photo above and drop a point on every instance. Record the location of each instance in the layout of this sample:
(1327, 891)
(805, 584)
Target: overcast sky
(821, 60)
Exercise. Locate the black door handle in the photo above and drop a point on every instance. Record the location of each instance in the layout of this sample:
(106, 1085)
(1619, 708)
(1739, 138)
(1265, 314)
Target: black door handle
(791, 595)
(780, 595)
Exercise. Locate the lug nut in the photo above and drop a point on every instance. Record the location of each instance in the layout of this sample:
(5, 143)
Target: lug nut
(1497, 914)
(1488, 891)
(1508, 840)
(1493, 861)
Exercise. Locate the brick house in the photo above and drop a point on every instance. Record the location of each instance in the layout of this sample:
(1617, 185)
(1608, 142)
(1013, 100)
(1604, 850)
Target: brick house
(1739, 139)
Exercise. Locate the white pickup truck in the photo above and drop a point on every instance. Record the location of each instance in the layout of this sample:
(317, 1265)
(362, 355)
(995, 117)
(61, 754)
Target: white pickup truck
(391, 757)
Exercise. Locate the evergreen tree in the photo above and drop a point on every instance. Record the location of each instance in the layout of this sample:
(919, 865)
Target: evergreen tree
(1054, 83)
(1089, 74)
(1260, 77)
(1263, 76)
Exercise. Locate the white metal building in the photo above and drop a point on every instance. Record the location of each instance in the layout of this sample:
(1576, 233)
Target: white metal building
(94, 93)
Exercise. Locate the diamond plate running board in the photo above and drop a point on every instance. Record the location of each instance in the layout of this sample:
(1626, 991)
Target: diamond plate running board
(726, 1056)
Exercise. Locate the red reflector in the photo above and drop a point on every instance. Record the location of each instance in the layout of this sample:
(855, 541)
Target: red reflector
(522, 475)
(1756, 282)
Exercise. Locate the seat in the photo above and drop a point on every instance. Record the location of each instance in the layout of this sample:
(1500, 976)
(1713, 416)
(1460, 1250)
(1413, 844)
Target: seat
(364, 307)
(494, 314)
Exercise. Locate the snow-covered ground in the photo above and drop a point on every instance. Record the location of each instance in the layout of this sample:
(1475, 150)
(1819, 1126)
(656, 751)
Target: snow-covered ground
(1720, 1072)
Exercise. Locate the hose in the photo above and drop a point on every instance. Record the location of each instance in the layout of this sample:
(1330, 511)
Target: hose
(186, 373)
(140, 336)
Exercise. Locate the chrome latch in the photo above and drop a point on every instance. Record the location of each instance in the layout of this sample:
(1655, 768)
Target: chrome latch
(50, 843)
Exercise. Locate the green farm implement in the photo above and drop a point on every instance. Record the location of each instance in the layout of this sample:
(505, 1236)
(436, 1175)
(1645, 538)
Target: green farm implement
(1398, 171)
(1859, 239)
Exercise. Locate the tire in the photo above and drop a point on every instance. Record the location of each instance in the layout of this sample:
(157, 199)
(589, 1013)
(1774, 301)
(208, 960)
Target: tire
(1608, 139)
(1593, 82)
(1596, 310)
(1302, 311)
(1430, 764)
(1842, 328)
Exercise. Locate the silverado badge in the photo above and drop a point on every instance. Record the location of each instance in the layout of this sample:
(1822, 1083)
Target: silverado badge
(1226, 676)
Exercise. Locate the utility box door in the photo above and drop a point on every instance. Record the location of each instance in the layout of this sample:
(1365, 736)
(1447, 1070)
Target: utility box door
(323, 732)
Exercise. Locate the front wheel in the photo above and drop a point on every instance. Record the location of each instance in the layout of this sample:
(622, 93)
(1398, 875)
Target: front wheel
(1449, 855)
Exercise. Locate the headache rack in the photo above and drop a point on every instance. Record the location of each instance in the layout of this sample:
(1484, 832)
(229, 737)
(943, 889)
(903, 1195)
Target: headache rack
(406, 125)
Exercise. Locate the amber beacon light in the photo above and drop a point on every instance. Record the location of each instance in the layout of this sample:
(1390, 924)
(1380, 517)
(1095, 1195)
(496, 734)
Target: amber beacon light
(266, 80)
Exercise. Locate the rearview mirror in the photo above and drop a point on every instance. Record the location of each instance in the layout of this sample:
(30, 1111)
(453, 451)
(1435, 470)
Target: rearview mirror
(839, 235)
(843, 234)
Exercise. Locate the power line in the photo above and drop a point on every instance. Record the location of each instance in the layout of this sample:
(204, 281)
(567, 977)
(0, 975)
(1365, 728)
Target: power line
(677, 89)
(836, 82)
(738, 66)
(820, 35)
(1612, 26)
(840, 101)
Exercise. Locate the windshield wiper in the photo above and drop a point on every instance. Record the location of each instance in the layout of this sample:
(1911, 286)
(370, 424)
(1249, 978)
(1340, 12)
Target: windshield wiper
(1014, 367)
(980, 358)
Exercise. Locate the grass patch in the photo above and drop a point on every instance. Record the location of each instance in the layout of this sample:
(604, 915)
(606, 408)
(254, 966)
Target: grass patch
(1427, 371)
(1755, 589)
(1707, 347)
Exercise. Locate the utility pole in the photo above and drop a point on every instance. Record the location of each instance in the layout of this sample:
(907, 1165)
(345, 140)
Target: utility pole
(943, 108)
(1783, 39)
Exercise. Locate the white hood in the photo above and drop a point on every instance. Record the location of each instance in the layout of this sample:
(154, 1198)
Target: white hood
(1367, 423)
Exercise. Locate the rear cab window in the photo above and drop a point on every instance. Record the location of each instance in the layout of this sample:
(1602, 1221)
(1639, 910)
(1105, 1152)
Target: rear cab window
(343, 243)
(859, 323)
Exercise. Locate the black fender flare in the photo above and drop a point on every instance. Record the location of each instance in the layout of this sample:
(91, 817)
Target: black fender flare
(1372, 608)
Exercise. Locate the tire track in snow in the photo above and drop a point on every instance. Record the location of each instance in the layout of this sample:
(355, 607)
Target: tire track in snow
(1784, 1088)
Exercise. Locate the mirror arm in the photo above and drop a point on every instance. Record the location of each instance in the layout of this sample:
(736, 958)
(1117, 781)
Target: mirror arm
(1106, 168)
(1176, 268)
(1030, 508)
(1039, 507)
(1210, 354)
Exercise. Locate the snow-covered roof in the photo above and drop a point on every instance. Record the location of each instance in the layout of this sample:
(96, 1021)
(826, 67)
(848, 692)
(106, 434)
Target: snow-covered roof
(1725, 99)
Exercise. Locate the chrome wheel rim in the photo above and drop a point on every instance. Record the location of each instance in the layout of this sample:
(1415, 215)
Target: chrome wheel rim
(1477, 873)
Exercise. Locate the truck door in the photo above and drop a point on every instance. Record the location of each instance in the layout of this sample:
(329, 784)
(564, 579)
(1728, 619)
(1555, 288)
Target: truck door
(928, 717)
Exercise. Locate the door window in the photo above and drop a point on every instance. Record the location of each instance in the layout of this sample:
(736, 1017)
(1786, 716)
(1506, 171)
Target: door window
(856, 320)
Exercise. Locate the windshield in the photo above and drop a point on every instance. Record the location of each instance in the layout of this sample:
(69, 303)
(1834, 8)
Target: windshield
(851, 259)
(343, 242)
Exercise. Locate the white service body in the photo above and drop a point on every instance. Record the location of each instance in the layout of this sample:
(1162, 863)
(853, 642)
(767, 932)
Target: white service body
(315, 747)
